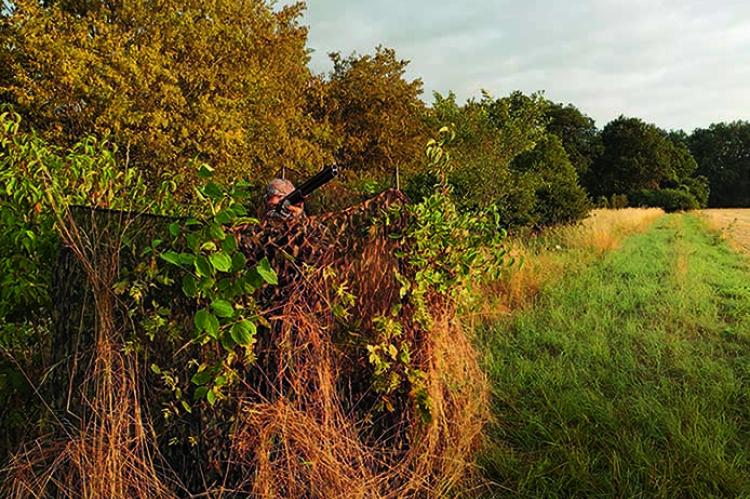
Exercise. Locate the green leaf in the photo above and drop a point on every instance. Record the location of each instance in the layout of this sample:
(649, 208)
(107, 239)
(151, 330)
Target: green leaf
(201, 377)
(212, 326)
(155, 369)
(201, 319)
(238, 210)
(238, 261)
(247, 285)
(206, 284)
(212, 190)
(243, 332)
(186, 258)
(227, 342)
(266, 272)
(174, 229)
(206, 321)
(205, 171)
(246, 221)
(171, 257)
(229, 244)
(193, 242)
(189, 286)
(221, 261)
(208, 246)
(223, 217)
(203, 267)
(252, 279)
(217, 231)
(222, 308)
(224, 285)
(211, 396)
(200, 392)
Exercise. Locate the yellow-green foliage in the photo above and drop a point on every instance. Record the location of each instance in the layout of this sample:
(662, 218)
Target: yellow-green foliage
(490, 133)
(171, 80)
(376, 111)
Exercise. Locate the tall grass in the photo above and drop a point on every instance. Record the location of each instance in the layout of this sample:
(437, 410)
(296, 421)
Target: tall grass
(630, 378)
(304, 421)
(110, 452)
(733, 224)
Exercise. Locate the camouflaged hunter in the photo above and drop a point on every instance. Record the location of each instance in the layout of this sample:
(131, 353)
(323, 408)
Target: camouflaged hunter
(284, 202)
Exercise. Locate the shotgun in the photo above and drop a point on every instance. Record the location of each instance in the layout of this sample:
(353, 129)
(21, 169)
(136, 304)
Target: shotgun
(309, 186)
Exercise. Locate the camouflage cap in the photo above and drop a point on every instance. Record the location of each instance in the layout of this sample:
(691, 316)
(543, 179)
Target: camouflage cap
(279, 187)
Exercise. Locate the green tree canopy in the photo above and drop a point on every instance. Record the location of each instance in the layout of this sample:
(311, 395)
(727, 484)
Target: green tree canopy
(578, 134)
(636, 155)
(490, 133)
(722, 152)
(548, 171)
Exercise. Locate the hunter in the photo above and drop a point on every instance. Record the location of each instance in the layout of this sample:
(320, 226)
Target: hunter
(276, 191)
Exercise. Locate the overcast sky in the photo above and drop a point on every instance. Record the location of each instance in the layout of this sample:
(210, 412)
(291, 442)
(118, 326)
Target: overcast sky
(676, 63)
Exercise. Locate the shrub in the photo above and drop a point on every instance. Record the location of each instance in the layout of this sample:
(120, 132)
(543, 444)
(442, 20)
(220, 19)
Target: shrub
(363, 365)
(699, 188)
(558, 198)
(668, 199)
(561, 203)
(618, 201)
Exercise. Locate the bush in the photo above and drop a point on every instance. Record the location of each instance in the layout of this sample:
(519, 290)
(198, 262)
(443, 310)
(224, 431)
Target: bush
(668, 199)
(557, 196)
(618, 201)
(699, 188)
(601, 202)
(187, 319)
(562, 203)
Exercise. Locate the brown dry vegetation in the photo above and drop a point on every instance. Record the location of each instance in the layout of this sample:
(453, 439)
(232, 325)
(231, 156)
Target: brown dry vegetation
(306, 423)
(111, 452)
(734, 225)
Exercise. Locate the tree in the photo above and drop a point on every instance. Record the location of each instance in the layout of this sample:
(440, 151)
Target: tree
(503, 155)
(722, 152)
(635, 156)
(490, 133)
(375, 112)
(682, 163)
(222, 81)
(558, 196)
(578, 134)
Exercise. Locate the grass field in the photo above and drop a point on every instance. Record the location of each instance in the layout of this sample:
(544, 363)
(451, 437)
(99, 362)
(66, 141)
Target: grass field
(630, 377)
(548, 256)
(734, 223)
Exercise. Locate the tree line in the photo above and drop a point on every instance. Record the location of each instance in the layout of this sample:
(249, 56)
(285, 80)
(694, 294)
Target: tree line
(228, 83)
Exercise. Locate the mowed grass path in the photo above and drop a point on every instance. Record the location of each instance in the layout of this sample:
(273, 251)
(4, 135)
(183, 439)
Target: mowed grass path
(630, 378)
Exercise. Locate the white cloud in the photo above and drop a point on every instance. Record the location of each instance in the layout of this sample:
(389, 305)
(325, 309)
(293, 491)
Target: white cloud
(677, 63)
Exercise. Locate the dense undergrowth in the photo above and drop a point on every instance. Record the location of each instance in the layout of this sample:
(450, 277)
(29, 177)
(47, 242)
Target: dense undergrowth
(630, 377)
(216, 354)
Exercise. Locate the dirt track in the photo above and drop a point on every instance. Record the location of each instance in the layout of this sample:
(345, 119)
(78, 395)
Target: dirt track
(734, 223)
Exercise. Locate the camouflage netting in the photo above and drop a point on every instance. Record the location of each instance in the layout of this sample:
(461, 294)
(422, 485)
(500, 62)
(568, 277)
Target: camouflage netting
(307, 418)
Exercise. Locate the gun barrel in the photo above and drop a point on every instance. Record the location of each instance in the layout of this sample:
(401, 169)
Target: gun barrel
(310, 185)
